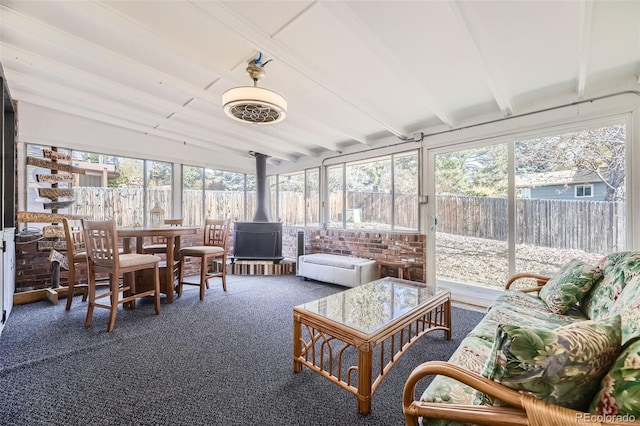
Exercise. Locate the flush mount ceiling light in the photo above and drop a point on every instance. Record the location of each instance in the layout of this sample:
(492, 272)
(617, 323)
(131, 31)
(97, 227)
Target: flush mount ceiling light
(254, 104)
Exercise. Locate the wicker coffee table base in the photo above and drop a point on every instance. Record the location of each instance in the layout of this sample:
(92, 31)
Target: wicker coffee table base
(327, 347)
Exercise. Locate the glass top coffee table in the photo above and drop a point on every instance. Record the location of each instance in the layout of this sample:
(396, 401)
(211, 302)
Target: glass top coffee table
(354, 337)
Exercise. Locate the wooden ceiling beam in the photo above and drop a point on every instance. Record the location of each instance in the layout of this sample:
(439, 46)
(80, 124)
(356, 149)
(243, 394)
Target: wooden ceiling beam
(341, 11)
(489, 71)
(585, 22)
(266, 43)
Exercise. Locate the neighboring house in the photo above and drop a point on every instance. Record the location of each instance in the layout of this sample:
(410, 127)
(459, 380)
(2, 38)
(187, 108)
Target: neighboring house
(561, 185)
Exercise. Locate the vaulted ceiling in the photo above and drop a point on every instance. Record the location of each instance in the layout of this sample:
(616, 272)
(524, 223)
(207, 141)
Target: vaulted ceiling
(353, 72)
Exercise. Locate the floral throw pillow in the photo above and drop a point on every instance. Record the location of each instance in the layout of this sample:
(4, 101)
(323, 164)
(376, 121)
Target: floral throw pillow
(562, 366)
(569, 285)
(619, 392)
(628, 307)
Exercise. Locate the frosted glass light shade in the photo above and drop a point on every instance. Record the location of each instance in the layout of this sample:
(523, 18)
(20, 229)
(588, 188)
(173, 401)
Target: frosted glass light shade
(254, 105)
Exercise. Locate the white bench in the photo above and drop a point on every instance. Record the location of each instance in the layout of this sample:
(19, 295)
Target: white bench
(342, 270)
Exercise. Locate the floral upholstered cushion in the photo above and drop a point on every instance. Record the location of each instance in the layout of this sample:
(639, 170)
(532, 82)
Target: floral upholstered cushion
(471, 354)
(529, 301)
(619, 392)
(627, 305)
(618, 269)
(569, 285)
(515, 315)
(562, 366)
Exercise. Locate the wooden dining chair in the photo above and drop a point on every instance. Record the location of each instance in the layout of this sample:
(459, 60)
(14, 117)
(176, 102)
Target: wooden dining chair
(158, 244)
(214, 246)
(103, 255)
(76, 256)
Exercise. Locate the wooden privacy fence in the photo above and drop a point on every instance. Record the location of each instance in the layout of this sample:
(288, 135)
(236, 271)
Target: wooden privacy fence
(592, 226)
(375, 207)
(126, 205)
(123, 204)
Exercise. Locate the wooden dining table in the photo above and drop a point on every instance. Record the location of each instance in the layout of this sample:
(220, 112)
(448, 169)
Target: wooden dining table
(172, 234)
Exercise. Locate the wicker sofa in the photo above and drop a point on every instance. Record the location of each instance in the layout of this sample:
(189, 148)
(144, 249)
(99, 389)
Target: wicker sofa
(565, 350)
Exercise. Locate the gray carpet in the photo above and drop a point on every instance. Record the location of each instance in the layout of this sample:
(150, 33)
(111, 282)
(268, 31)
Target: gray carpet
(224, 361)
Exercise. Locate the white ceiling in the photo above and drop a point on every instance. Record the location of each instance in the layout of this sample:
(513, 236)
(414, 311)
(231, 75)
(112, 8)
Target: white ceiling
(353, 72)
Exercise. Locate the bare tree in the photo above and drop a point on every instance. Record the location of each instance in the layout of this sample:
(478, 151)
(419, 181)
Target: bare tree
(599, 151)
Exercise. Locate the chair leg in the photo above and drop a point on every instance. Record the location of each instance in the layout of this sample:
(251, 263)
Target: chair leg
(205, 261)
(224, 273)
(114, 303)
(176, 275)
(203, 276)
(132, 288)
(156, 294)
(92, 297)
(180, 275)
(85, 290)
(70, 290)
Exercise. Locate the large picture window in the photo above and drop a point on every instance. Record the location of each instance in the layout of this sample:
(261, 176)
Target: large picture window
(216, 194)
(377, 193)
(125, 189)
(224, 195)
(298, 196)
(493, 220)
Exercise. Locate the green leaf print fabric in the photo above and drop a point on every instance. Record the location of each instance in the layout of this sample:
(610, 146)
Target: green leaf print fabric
(619, 392)
(627, 305)
(619, 269)
(569, 285)
(562, 366)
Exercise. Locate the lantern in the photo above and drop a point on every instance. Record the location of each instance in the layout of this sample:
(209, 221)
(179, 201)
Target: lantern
(157, 216)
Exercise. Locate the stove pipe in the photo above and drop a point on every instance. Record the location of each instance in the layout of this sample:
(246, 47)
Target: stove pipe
(262, 209)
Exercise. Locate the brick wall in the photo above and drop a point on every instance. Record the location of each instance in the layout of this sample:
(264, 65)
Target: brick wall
(33, 269)
(367, 244)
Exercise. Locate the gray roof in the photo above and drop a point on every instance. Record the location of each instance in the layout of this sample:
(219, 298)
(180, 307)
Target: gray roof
(562, 177)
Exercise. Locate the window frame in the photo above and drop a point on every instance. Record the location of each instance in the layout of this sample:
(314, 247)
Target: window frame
(583, 186)
(326, 213)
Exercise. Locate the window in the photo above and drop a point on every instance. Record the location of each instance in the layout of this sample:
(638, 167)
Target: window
(335, 183)
(224, 195)
(113, 187)
(291, 191)
(405, 191)
(502, 209)
(122, 188)
(251, 197)
(551, 230)
(216, 194)
(192, 195)
(377, 193)
(312, 197)
(159, 179)
(368, 188)
(272, 186)
(523, 192)
(298, 196)
(584, 191)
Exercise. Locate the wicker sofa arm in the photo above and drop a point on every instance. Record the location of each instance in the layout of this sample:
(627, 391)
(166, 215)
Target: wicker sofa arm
(490, 415)
(541, 280)
(523, 409)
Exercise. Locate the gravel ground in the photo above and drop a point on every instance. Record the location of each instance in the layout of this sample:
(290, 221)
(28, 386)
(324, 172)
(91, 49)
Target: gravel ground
(477, 260)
